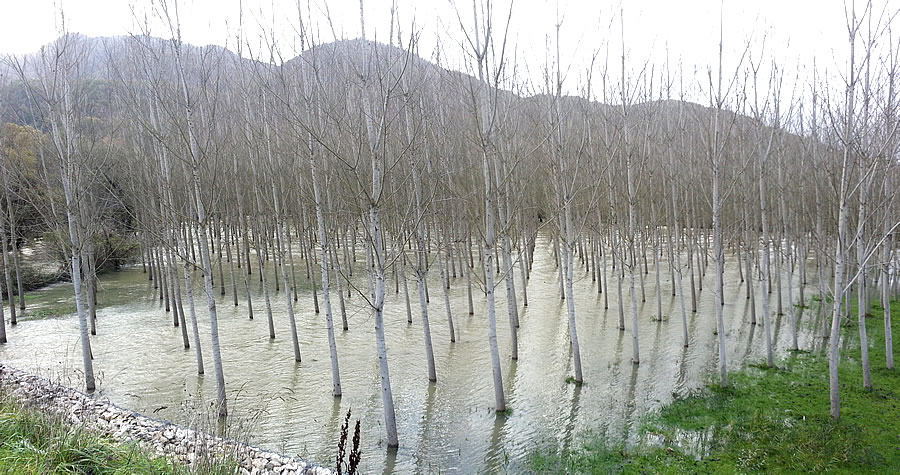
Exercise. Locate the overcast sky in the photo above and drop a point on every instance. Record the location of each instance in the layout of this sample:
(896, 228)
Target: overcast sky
(685, 31)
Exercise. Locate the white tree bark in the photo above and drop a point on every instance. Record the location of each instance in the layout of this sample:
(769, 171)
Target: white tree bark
(324, 248)
(61, 111)
(200, 209)
(841, 241)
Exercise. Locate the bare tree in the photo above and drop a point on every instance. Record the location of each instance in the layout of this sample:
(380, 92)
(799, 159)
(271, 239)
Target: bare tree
(59, 66)
(195, 158)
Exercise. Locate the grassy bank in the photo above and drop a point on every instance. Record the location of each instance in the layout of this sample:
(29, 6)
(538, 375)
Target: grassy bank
(34, 442)
(768, 420)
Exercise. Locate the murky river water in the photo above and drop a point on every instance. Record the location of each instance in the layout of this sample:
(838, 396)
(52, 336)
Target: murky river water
(448, 426)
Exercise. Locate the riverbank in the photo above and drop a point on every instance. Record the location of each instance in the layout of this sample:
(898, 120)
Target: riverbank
(768, 420)
(92, 430)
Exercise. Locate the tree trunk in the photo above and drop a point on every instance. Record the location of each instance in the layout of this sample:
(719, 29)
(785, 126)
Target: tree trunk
(765, 278)
(862, 283)
(10, 295)
(14, 245)
(204, 247)
(326, 289)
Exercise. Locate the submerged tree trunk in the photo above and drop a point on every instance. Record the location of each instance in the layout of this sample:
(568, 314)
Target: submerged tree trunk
(570, 292)
(445, 276)
(64, 140)
(228, 257)
(765, 278)
(194, 148)
(421, 276)
(10, 295)
(14, 248)
(189, 289)
(324, 248)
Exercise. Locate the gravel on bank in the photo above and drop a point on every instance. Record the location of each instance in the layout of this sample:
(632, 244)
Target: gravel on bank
(179, 443)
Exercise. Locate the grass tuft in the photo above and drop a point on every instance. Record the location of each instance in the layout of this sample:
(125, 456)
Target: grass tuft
(34, 442)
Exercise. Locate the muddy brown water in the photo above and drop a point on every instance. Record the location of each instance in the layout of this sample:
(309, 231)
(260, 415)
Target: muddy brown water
(448, 426)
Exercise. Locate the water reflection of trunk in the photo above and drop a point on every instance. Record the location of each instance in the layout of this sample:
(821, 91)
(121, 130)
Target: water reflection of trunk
(427, 415)
(749, 348)
(657, 356)
(333, 428)
(629, 402)
(657, 347)
(390, 461)
(571, 421)
(748, 310)
(560, 336)
(497, 448)
(605, 316)
(617, 356)
(681, 377)
(820, 322)
(778, 325)
(615, 376)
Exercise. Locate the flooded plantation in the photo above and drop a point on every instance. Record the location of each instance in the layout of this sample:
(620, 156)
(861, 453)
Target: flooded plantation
(449, 425)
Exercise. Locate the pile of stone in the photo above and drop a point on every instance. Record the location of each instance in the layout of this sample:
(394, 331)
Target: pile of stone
(191, 447)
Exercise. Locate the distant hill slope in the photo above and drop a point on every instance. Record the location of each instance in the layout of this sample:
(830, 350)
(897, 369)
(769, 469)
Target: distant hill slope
(104, 61)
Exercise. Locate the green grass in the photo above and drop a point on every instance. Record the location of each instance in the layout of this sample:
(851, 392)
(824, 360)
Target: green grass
(55, 311)
(34, 442)
(767, 420)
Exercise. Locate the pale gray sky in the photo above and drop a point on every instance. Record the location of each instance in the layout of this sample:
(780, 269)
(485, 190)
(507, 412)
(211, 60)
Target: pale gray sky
(795, 31)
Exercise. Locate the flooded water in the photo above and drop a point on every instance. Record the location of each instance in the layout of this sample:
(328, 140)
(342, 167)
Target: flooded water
(448, 426)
